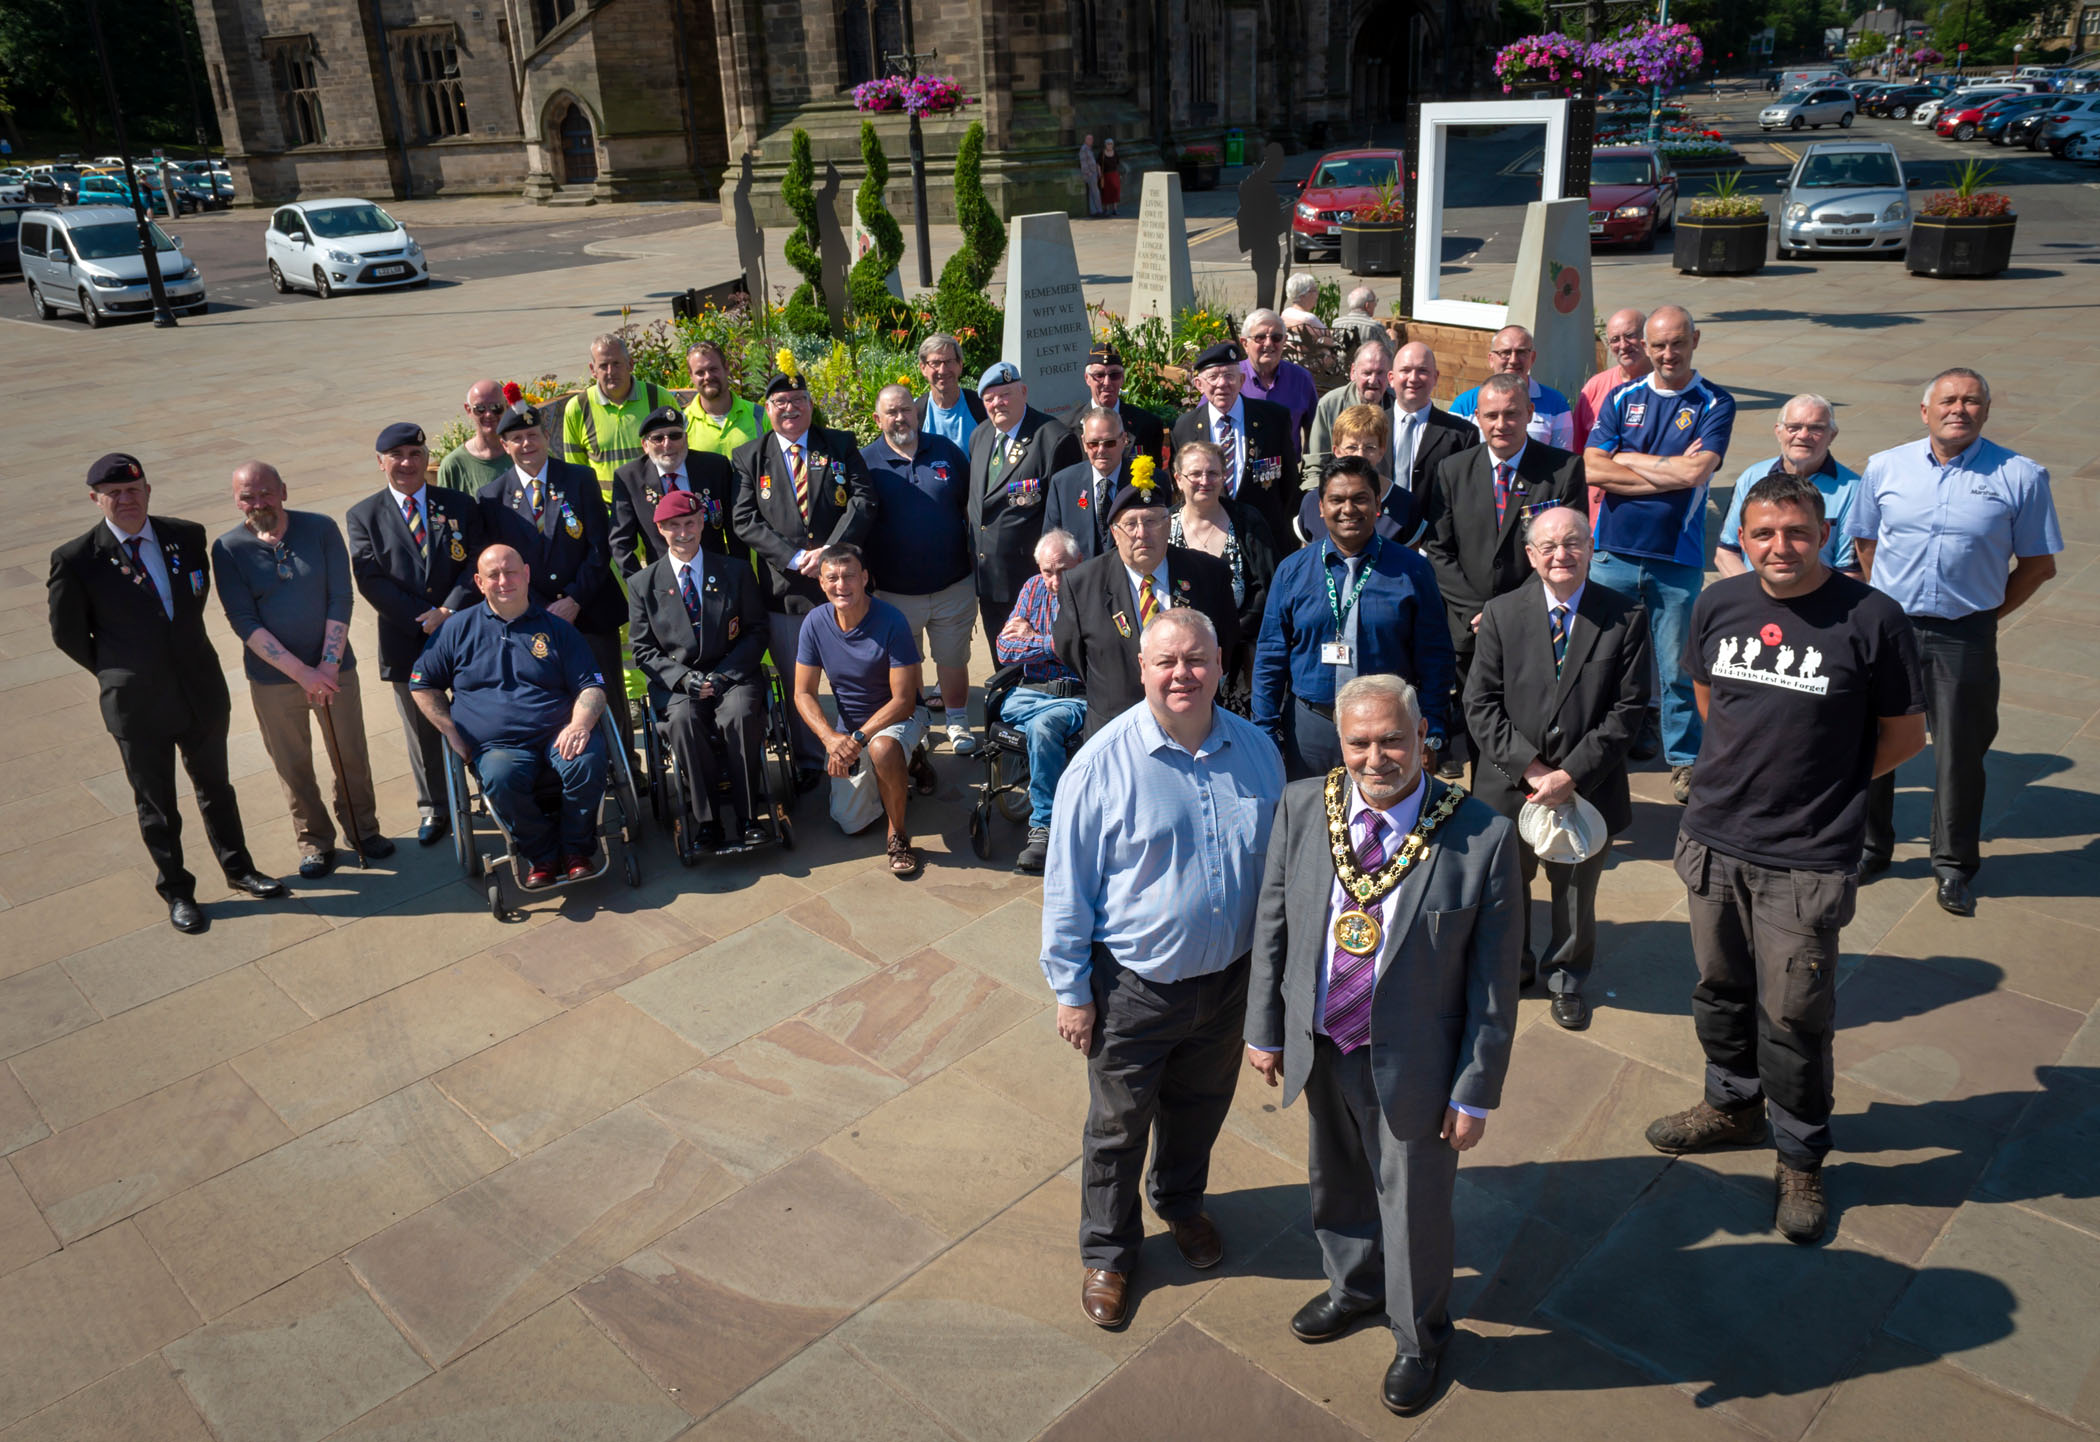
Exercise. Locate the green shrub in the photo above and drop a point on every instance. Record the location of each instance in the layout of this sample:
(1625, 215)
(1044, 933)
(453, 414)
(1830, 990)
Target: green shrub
(806, 308)
(867, 284)
(959, 299)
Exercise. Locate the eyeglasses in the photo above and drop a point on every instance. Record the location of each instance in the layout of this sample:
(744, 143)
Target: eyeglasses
(1510, 354)
(1102, 373)
(486, 410)
(1814, 428)
(1559, 548)
(1103, 443)
(1264, 338)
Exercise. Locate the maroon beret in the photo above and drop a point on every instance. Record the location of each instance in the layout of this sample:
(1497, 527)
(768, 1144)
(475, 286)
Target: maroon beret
(678, 503)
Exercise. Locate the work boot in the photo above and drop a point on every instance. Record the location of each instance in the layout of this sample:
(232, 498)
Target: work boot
(1704, 1127)
(1802, 1213)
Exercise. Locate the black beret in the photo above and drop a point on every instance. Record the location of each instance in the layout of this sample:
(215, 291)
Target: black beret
(116, 466)
(782, 383)
(1133, 498)
(524, 415)
(663, 418)
(400, 433)
(1224, 353)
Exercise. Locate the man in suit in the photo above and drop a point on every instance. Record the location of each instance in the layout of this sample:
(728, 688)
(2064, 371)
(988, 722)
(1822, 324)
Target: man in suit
(1012, 457)
(1385, 990)
(127, 605)
(412, 550)
(1106, 603)
(1558, 692)
(1478, 505)
(1257, 439)
(668, 464)
(1423, 437)
(1081, 495)
(799, 488)
(553, 515)
(698, 627)
(1104, 384)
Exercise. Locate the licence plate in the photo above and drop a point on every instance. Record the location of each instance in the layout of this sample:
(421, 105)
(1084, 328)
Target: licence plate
(1334, 230)
(1596, 227)
(380, 272)
(1848, 230)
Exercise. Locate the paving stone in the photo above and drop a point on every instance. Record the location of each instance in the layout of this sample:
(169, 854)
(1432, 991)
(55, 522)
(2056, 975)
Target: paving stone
(744, 983)
(142, 1401)
(297, 1362)
(1031, 1065)
(129, 1056)
(465, 1269)
(107, 848)
(878, 920)
(732, 1294)
(53, 927)
(266, 1221)
(128, 971)
(19, 1123)
(1549, 1387)
(364, 956)
(573, 962)
(546, 1082)
(1899, 1393)
(823, 1394)
(23, 1235)
(719, 901)
(772, 1097)
(1898, 1171)
(956, 1360)
(920, 1014)
(2016, 948)
(551, 1378)
(80, 1314)
(40, 1006)
(336, 1065)
(1007, 943)
(145, 1151)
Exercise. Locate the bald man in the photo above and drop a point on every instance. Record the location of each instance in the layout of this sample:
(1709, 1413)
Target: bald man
(480, 458)
(1622, 337)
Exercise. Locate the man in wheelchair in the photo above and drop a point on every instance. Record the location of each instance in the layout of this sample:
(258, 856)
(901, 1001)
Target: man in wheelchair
(698, 627)
(1048, 705)
(526, 697)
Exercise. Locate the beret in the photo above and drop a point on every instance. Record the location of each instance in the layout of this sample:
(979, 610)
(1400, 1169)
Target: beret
(1104, 355)
(1132, 498)
(999, 373)
(524, 415)
(1224, 353)
(663, 418)
(116, 466)
(400, 433)
(783, 383)
(677, 503)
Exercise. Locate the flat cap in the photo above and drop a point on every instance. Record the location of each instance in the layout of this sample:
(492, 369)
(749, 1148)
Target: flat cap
(116, 466)
(783, 383)
(663, 418)
(400, 433)
(1104, 354)
(1224, 353)
(523, 415)
(677, 503)
(999, 373)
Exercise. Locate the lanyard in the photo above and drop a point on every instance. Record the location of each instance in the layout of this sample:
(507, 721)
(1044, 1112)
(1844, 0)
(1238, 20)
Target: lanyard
(1335, 603)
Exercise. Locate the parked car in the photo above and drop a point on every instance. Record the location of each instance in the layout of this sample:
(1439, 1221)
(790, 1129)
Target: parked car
(116, 190)
(2026, 128)
(1845, 195)
(2057, 138)
(10, 227)
(1342, 181)
(54, 184)
(1965, 120)
(14, 188)
(1814, 108)
(2083, 146)
(87, 259)
(203, 192)
(1633, 196)
(340, 244)
(1898, 101)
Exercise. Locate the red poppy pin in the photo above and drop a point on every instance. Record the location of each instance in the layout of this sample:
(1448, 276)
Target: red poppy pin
(1771, 635)
(1084, 503)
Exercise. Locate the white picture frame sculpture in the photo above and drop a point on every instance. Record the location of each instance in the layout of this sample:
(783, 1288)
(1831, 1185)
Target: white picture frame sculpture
(1438, 118)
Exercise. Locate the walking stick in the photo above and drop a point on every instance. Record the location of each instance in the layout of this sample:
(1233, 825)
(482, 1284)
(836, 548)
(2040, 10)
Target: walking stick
(343, 813)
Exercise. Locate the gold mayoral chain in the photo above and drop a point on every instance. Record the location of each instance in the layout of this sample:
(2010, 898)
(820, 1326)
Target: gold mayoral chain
(1356, 931)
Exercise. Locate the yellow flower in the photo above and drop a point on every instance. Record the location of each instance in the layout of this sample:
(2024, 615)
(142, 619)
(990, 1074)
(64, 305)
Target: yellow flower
(785, 359)
(1141, 474)
(903, 379)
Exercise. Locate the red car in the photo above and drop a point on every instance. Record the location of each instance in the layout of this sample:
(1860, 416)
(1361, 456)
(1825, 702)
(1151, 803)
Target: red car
(1342, 181)
(1963, 122)
(1633, 196)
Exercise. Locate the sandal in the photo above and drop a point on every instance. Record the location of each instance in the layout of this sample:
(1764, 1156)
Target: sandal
(903, 860)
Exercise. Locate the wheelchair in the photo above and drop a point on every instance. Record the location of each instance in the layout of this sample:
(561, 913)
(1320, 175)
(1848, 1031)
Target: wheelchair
(1005, 758)
(503, 874)
(775, 783)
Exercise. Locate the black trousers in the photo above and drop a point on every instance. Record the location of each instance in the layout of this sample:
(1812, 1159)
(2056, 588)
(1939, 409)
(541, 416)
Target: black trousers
(1165, 1061)
(1572, 944)
(149, 763)
(426, 754)
(740, 714)
(1960, 659)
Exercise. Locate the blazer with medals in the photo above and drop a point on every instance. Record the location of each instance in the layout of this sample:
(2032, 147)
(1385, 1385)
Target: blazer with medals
(1006, 500)
(1268, 472)
(1073, 503)
(730, 639)
(1096, 632)
(573, 557)
(399, 581)
(766, 518)
(1477, 557)
(1582, 721)
(639, 485)
(1444, 1007)
(159, 675)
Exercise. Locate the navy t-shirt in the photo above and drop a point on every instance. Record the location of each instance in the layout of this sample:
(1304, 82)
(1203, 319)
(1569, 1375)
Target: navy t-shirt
(514, 683)
(920, 542)
(857, 662)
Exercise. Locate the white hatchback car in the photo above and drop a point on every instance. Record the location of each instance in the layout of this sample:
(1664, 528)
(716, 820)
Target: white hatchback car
(327, 246)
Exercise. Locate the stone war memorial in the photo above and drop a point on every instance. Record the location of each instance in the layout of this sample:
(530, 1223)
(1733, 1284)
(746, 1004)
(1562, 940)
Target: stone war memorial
(1161, 280)
(1047, 331)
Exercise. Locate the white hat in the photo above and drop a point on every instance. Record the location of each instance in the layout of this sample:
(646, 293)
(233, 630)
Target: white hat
(1564, 834)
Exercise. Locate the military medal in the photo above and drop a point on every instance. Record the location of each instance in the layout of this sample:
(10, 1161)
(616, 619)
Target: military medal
(651, 496)
(838, 497)
(569, 522)
(1357, 931)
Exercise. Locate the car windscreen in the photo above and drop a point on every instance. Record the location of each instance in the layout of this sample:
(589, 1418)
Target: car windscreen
(107, 242)
(1621, 170)
(1862, 171)
(1793, 97)
(1366, 173)
(336, 222)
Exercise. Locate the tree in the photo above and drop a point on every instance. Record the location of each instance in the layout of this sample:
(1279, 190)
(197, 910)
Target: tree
(805, 312)
(54, 82)
(868, 282)
(959, 297)
(1867, 46)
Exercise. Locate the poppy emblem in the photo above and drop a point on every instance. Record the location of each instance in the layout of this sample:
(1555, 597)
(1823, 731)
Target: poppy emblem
(1084, 503)
(940, 471)
(735, 625)
(1771, 635)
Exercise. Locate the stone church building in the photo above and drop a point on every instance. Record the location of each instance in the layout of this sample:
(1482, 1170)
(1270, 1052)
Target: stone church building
(573, 100)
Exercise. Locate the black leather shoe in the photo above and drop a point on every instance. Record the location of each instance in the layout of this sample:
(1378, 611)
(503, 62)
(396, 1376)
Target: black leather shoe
(1954, 897)
(376, 848)
(1649, 744)
(187, 917)
(1323, 1318)
(267, 888)
(433, 830)
(1410, 1384)
(318, 865)
(1873, 866)
(753, 834)
(1570, 1011)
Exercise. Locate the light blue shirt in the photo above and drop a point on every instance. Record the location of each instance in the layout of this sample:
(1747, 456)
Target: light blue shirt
(955, 424)
(1838, 482)
(1157, 853)
(155, 563)
(1946, 535)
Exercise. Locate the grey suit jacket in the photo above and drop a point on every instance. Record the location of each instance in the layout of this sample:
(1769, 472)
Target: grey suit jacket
(1445, 1007)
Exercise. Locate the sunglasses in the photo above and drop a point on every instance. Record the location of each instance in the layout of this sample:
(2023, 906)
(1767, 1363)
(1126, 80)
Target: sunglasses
(486, 410)
(284, 562)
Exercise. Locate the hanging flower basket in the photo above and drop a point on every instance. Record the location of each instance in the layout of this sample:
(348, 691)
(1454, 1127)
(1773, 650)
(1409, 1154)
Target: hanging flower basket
(1664, 55)
(925, 95)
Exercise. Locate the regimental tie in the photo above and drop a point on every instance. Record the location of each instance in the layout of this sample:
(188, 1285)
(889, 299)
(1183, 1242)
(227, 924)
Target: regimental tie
(136, 545)
(691, 593)
(539, 506)
(1351, 979)
(798, 470)
(1148, 603)
(415, 526)
(1559, 617)
(1502, 470)
(1229, 448)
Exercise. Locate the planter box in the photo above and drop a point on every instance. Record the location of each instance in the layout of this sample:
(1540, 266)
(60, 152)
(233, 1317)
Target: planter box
(1199, 174)
(1722, 247)
(1947, 245)
(1378, 248)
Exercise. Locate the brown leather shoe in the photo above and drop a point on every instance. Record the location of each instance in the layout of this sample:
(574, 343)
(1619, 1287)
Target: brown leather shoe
(1201, 1246)
(1104, 1297)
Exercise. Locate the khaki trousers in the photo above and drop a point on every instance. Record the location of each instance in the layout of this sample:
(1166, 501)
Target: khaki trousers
(288, 723)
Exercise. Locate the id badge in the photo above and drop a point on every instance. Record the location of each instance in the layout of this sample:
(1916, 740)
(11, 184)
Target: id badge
(1337, 653)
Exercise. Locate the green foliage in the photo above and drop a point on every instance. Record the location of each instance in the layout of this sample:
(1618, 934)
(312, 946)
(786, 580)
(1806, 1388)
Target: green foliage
(806, 307)
(868, 282)
(959, 299)
(54, 86)
(1329, 303)
(450, 439)
(1867, 46)
(1156, 355)
(1724, 200)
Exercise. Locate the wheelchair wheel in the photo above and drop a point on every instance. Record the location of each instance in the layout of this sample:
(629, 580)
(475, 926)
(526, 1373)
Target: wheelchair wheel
(786, 829)
(1013, 792)
(494, 889)
(461, 813)
(629, 867)
(981, 832)
(653, 750)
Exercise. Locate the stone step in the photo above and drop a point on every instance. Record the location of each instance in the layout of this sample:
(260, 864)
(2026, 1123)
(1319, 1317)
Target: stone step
(573, 195)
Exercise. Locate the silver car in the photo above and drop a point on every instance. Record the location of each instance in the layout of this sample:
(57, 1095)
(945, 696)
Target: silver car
(86, 258)
(1846, 195)
(1813, 107)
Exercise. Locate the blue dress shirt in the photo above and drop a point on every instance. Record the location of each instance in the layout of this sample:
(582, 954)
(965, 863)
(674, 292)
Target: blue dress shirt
(1946, 535)
(1400, 631)
(1157, 853)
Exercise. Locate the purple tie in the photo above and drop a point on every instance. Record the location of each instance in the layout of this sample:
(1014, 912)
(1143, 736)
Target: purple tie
(1351, 979)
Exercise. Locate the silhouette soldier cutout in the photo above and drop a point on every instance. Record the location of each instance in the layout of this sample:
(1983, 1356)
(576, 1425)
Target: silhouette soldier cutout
(836, 254)
(1262, 224)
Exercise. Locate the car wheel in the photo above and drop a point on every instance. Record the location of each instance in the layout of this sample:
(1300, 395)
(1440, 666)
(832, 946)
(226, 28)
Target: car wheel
(1780, 252)
(1796, 123)
(277, 281)
(38, 304)
(1899, 112)
(321, 286)
(1845, 121)
(88, 312)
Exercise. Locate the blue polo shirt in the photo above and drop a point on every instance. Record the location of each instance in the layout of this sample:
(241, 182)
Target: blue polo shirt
(1947, 535)
(920, 542)
(1838, 483)
(514, 683)
(1649, 421)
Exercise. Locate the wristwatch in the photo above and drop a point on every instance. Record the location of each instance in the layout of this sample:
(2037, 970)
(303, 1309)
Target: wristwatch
(860, 738)
(1434, 743)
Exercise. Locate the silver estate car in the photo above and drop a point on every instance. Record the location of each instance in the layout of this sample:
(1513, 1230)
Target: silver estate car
(1813, 107)
(1845, 195)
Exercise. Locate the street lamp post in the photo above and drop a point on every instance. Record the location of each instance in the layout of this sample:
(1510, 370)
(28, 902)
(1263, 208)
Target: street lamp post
(907, 65)
(162, 316)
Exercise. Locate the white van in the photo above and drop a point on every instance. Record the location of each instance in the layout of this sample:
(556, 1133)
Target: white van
(87, 259)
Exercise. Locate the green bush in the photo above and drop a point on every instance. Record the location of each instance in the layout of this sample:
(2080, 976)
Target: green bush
(959, 299)
(867, 284)
(806, 308)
